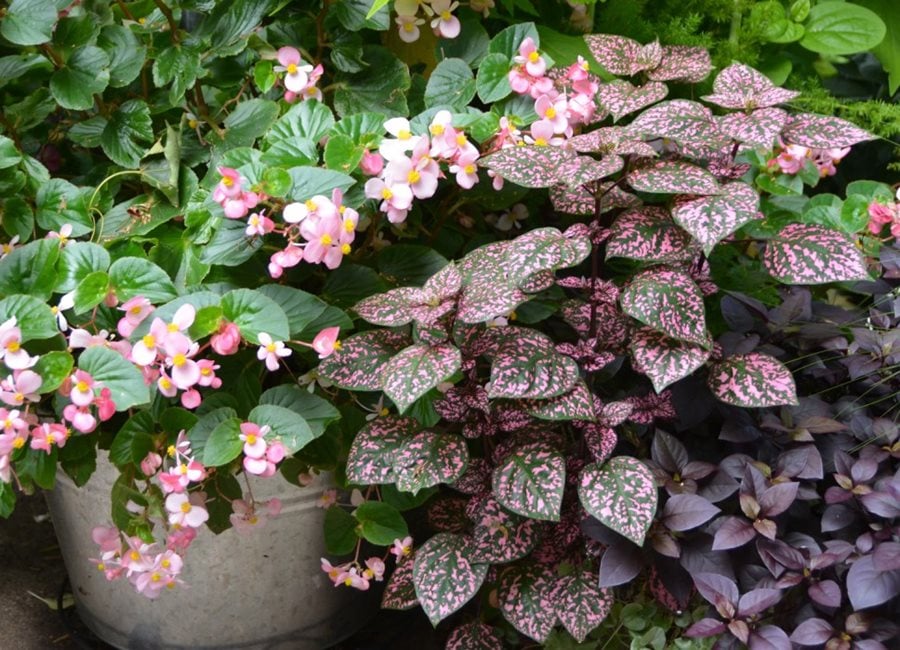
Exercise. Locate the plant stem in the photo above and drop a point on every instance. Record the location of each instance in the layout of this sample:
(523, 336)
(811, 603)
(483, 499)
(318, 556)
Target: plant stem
(167, 12)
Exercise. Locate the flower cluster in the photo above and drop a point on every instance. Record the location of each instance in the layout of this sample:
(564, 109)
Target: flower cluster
(300, 79)
(148, 567)
(882, 214)
(260, 455)
(353, 575)
(791, 158)
(438, 13)
(230, 194)
(84, 393)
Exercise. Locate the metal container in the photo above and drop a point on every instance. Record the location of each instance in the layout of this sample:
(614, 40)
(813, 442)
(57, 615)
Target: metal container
(262, 590)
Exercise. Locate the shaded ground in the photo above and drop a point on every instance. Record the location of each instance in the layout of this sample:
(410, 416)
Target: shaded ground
(30, 562)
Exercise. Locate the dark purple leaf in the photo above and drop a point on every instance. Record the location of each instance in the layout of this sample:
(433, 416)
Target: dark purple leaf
(359, 364)
(399, 592)
(673, 177)
(620, 564)
(868, 585)
(682, 63)
(669, 302)
(827, 593)
(648, 234)
(668, 452)
(416, 370)
(580, 604)
(752, 380)
(448, 515)
(716, 589)
(526, 599)
(429, 459)
(662, 359)
(881, 504)
(620, 97)
(887, 556)
(577, 404)
(686, 122)
(623, 56)
(530, 165)
(685, 511)
(823, 132)
(499, 536)
(777, 498)
(760, 128)
(705, 627)
(530, 481)
(740, 86)
(621, 494)
(371, 458)
(837, 517)
(475, 636)
(757, 601)
(812, 254)
(769, 637)
(710, 219)
(733, 532)
(801, 462)
(527, 365)
(444, 576)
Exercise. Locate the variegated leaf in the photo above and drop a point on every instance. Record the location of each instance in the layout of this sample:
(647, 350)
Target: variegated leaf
(682, 63)
(621, 494)
(371, 457)
(623, 56)
(621, 98)
(448, 515)
(526, 599)
(662, 359)
(740, 86)
(391, 308)
(527, 365)
(577, 404)
(529, 165)
(416, 370)
(813, 254)
(760, 128)
(580, 604)
(682, 120)
(530, 481)
(444, 284)
(615, 413)
(611, 140)
(399, 592)
(668, 301)
(673, 177)
(710, 219)
(475, 636)
(823, 131)
(752, 380)
(360, 363)
(648, 234)
(444, 575)
(499, 536)
(572, 200)
(429, 459)
(582, 170)
(600, 441)
(543, 249)
(482, 300)
(538, 282)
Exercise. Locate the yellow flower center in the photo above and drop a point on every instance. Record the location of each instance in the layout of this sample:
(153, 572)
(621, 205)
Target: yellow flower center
(192, 123)
(550, 113)
(469, 169)
(326, 240)
(271, 347)
(437, 129)
(540, 142)
(254, 220)
(149, 340)
(585, 66)
(186, 507)
(172, 327)
(345, 249)
(18, 443)
(310, 205)
(534, 56)
(135, 310)
(337, 345)
(311, 90)
(19, 397)
(386, 194)
(179, 360)
(166, 563)
(135, 556)
(349, 226)
(7, 248)
(170, 451)
(404, 134)
(227, 181)
(165, 383)
(82, 386)
(13, 346)
(101, 566)
(461, 140)
(384, 411)
(413, 176)
(348, 581)
(251, 439)
(408, 27)
(155, 577)
(50, 438)
(292, 68)
(206, 372)
(446, 15)
(55, 309)
(253, 520)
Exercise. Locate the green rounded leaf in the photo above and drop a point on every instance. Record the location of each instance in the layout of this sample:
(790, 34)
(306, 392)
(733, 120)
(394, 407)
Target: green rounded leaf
(224, 443)
(91, 291)
(842, 28)
(135, 276)
(287, 426)
(29, 22)
(124, 132)
(253, 313)
(450, 84)
(340, 531)
(492, 82)
(78, 259)
(85, 74)
(121, 377)
(134, 440)
(33, 316)
(380, 523)
(53, 368)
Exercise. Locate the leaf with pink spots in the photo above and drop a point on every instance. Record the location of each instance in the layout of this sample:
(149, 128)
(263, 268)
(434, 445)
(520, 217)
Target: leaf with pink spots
(670, 302)
(538, 282)
(580, 604)
(582, 170)
(621, 494)
(682, 120)
(390, 309)
(483, 300)
(611, 140)
(448, 515)
(527, 365)
(662, 359)
(416, 370)
(530, 481)
(823, 132)
(529, 165)
(360, 363)
(475, 636)
(673, 177)
(648, 234)
(740, 86)
(710, 219)
(577, 404)
(682, 63)
(526, 599)
(615, 413)
(399, 592)
(621, 98)
(752, 380)
(500, 536)
(813, 254)
(444, 575)
(623, 56)
(544, 249)
(600, 441)
(572, 200)
(371, 457)
(760, 128)
(428, 459)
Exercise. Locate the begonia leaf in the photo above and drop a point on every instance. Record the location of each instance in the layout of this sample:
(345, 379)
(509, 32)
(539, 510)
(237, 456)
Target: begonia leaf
(621, 494)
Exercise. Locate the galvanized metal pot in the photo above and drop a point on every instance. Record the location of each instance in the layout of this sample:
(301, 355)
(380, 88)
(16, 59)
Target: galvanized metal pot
(263, 590)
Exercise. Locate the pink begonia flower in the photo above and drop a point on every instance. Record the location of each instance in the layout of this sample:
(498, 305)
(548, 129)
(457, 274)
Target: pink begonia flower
(542, 134)
(396, 198)
(246, 517)
(352, 578)
(11, 422)
(326, 342)
(227, 340)
(482, 7)
(318, 206)
(80, 417)
(66, 301)
(63, 235)
(9, 247)
(334, 571)
(166, 386)
(44, 436)
(186, 510)
(20, 387)
(108, 539)
(229, 187)
(554, 111)
(284, 259)
(402, 548)
(374, 569)
(791, 159)
(312, 91)
(259, 224)
(408, 28)
(403, 141)
(327, 499)
(152, 462)
(185, 372)
(106, 407)
(296, 72)
(534, 63)
(827, 159)
(179, 540)
(81, 338)
(512, 218)
(372, 163)
(270, 351)
(466, 171)
(82, 393)
(444, 23)
(191, 399)
(421, 174)
(253, 437)
(136, 310)
(208, 376)
(185, 472)
(879, 216)
(11, 351)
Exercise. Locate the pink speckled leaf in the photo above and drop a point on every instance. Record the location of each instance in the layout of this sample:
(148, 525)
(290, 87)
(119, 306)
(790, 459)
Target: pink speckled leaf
(399, 592)
(682, 120)
(483, 300)
(670, 302)
(682, 63)
(600, 441)
(444, 575)
(623, 56)
(758, 129)
(615, 413)
(582, 170)
(621, 98)
(416, 370)
(448, 515)
(429, 459)
(580, 604)
(444, 284)
(371, 458)
(611, 140)
(544, 249)
(752, 380)
(526, 599)
(475, 636)
(538, 282)
(572, 200)
(673, 177)
(499, 536)
(360, 363)
(529, 165)
(390, 309)
(812, 254)
(740, 86)
(710, 219)
(621, 494)
(527, 365)
(577, 404)
(530, 481)
(823, 131)
(648, 234)
(662, 359)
